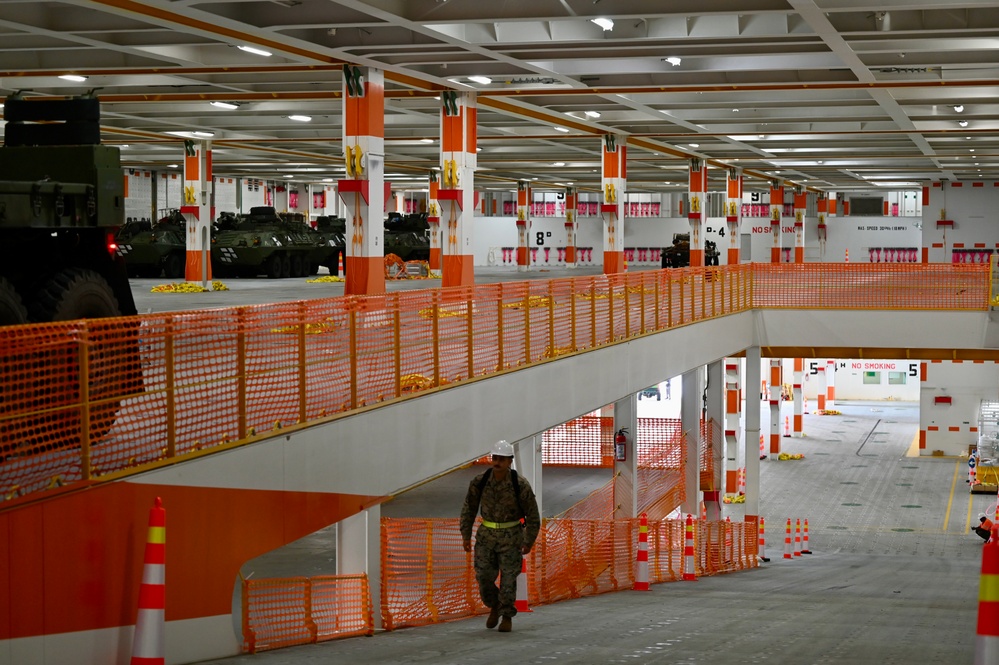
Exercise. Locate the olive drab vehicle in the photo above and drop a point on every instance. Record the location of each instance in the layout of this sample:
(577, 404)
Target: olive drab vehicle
(159, 249)
(678, 254)
(62, 200)
(408, 237)
(330, 241)
(262, 244)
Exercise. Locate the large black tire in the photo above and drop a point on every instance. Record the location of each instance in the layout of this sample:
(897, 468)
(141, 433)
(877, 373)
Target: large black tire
(298, 267)
(274, 266)
(74, 293)
(173, 265)
(12, 311)
(285, 267)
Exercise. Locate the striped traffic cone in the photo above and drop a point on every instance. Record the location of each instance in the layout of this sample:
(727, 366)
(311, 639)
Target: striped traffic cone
(787, 540)
(642, 569)
(762, 543)
(787, 426)
(804, 540)
(987, 639)
(763, 450)
(148, 643)
(339, 268)
(688, 552)
(521, 602)
(797, 537)
(741, 481)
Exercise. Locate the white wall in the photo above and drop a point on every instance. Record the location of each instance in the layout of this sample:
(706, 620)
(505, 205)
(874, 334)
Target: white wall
(973, 209)
(169, 190)
(851, 376)
(952, 427)
(139, 202)
(225, 195)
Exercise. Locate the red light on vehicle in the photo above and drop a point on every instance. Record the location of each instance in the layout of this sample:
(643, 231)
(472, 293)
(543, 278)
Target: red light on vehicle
(112, 245)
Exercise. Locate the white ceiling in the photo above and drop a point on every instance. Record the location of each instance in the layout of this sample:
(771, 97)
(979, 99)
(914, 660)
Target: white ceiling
(834, 94)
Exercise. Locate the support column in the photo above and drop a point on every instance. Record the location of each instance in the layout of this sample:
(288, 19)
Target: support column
(363, 190)
(695, 216)
(799, 364)
(775, 390)
(527, 460)
(821, 392)
(434, 221)
(570, 227)
(751, 449)
(197, 211)
(830, 384)
(800, 203)
(690, 423)
(822, 207)
(457, 191)
(776, 212)
(613, 180)
(626, 472)
(523, 226)
(733, 408)
(714, 403)
(734, 217)
(359, 550)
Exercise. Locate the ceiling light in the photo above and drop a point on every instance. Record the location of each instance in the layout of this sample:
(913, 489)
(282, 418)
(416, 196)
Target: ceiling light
(592, 114)
(123, 146)
(819, 161)
(478, 150)
(327, 179)
(971, 149)
(75, 78)
(604, 23)
(761, 136)
(289, 176)
(561, 129)
(963, 123)
(558, 163)
(484, 80)
(255, 50)
(426, 140)
(300, 118)
(225, 105)
(673, 60)
(694, 145)
(172, 166)
(205, 134)
(959, 108)
(735, 110)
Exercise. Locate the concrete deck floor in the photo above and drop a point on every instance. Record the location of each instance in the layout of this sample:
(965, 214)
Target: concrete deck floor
(893, 578)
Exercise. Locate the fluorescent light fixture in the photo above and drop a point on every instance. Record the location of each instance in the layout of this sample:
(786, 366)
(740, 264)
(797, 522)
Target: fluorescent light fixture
(959, 108)
(327, 179)
(762, 135)
(205, 134)
(558, 163)
(694, 145)
(604, 23)
(561, 129)
(254, 50)
(673, 60)
(172, 166)
(426, 140)
(478, 150)
(963, 123)
(123, 146)
(592, 114)
(75, 78)
(735, 110)
(971, 149)
(484, 80)
(300, 118)
(289, 176)
(225, 105)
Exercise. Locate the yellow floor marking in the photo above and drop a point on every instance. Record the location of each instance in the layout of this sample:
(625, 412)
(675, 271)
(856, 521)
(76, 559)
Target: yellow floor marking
(913, 450)
(950, 499)
(967, 523)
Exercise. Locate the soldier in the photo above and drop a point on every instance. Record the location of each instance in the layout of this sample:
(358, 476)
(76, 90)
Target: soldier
(510, 525)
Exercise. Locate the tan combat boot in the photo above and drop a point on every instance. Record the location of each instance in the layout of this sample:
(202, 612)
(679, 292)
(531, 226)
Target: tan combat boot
(493, 618)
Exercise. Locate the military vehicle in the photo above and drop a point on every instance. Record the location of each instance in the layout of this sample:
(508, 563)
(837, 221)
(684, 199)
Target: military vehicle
(262, 243)
(158, 250)
(678, 254)
(408, 237)
(61, 202)
(330, 238)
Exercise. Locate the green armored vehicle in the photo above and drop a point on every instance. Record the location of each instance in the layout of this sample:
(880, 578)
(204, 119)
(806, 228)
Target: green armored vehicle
(678, 254)
(408, 237)
(329, 237)
(262, 244)
(158, 250)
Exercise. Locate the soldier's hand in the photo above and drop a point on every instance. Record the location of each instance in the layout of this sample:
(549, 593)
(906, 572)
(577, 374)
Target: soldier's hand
(467, 545)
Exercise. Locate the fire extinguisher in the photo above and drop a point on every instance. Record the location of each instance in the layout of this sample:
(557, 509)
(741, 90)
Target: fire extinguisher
(621, 445)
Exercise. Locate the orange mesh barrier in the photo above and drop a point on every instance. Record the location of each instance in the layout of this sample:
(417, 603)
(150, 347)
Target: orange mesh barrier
(283, 612)
(589, 441)
(81, 400)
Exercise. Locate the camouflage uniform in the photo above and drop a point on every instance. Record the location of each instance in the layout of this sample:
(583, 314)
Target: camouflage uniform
(498, 550)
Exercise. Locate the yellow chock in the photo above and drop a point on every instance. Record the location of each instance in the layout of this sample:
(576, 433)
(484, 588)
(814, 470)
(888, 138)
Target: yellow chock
(55, 481)
(252, 431)
(277, 424)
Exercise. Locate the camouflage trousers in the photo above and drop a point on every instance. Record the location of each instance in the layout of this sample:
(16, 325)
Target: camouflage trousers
(497, 552)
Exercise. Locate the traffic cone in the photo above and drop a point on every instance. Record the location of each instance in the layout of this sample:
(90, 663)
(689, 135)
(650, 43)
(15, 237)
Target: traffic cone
(762, 543)
(763, 450)
(740, 482)
(847, 260)
(642, 569)
(805, 404)
(797, 537)
(688, 552)
(787, 426)
(971, 475)
(787, 540)
(704, 512)
(339, 268)
(148, 642)
(987, 639)
(804, 540)
(521, 601)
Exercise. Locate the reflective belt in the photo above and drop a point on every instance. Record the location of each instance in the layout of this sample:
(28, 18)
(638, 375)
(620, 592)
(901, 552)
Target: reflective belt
(500, 525)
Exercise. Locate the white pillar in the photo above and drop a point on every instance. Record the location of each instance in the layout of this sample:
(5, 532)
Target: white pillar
(715, 412)
(690, 419)
(751, 449)
(358, 550)
(830, 384)
(733, 408)
(798, 426)
(527, 460)
(626, 472)
(775, 391)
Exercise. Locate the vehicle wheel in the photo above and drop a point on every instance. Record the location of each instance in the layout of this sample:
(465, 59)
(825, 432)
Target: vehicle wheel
(74, 293)
(12, 310)
(285, 267)
(297, 267)
(173, 266)
(273, 266)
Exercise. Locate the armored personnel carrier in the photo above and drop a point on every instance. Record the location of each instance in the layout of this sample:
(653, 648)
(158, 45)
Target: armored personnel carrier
(263, 243)
(408, 237)
(156, 251)
(678, 254)
(330, 239)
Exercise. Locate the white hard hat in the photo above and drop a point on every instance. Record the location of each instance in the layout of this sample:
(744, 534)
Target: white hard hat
(502, 448)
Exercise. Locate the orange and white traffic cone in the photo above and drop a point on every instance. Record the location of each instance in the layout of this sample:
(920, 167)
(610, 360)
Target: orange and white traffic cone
(804, 540)
(689, 573)
(339, 268)
(847, 259)
(642, 568)
(971, 475)
(762, 543)
(148, 642)
(740, 482)
(797, 537)
(787, 426)
(987, 638)
(804, 404)
(787, 540)
(763, 450)
(521, 601)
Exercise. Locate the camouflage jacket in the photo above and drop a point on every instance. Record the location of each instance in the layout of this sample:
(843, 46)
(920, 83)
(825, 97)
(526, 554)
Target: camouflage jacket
(499, 504)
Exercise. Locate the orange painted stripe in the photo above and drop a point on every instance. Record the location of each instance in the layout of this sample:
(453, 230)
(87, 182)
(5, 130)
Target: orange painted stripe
(192, 171)
(193, 267)
(936, 184)
(926, 196)
(978, 184)
(734, 185)
(776, 196)
(922, 371)
(799, 364)
(958, 245)
(797, 422)
(731, 401)
(126, 187)
(457, 270)
(953, 429)
(957, 361)
(885, 208)
(957, 184)
(933, 428)
(610, 164)
(624, 162)
(937, 244)
(832, 206)
(972, 429)
(800, 200)
(936, 361)
(979, 362)
(365, 275)
(471, 130)
(922, 440)
(822, 205)
(926, 255)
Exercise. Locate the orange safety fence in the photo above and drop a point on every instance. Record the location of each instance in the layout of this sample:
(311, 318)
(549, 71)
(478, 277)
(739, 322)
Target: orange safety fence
(85, 399)
(283, 612)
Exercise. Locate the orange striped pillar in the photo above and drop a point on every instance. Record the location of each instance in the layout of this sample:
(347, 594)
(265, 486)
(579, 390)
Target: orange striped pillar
(820, 374)
(434, 221)
(832, 204)
(733, 408)
(695, 215)
(523, 225)
(733, 218)
(830, 384)
(775, 390)
(197, 210)
(613, 179)
(822, 208)
(363, 189)
(570, 227)
(776, 213)
(800, 203)
(456, 194)
(799, 366)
